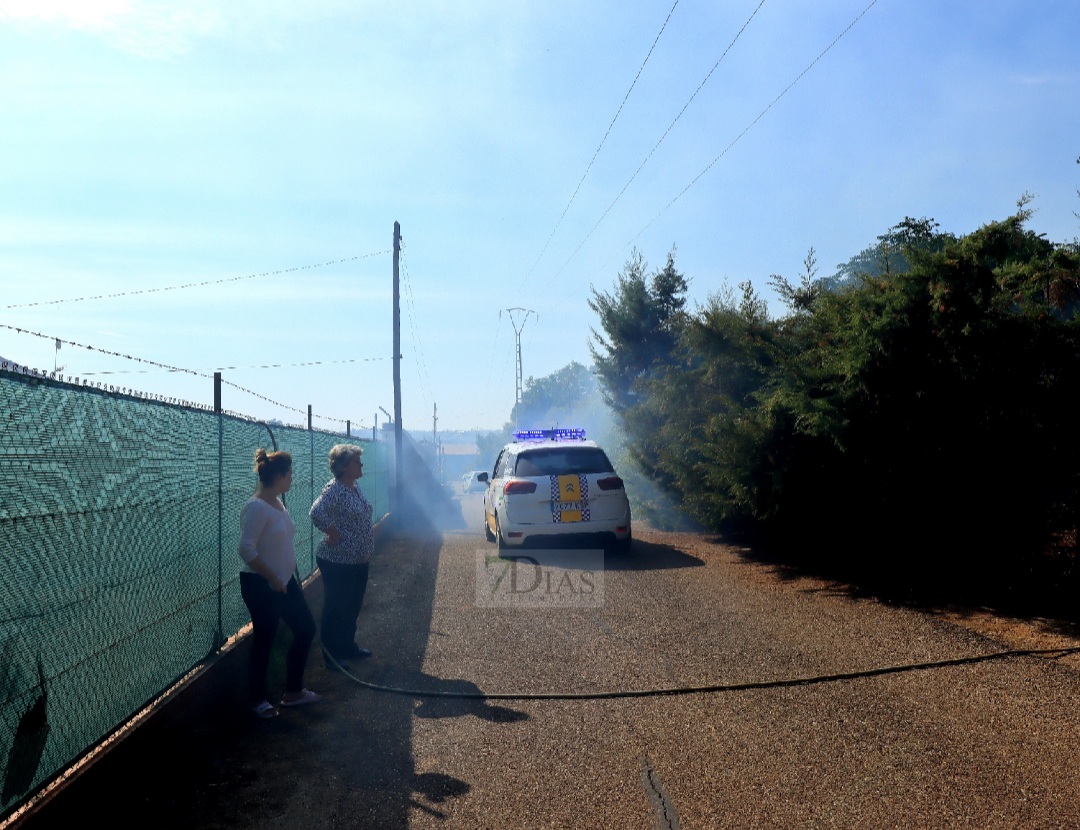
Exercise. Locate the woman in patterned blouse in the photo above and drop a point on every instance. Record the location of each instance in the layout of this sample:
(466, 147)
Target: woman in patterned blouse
(343, 514)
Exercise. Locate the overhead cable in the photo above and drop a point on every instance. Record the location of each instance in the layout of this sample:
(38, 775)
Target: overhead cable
(603, 141)
(755, 121)
(421, 366)
(253, 366)
(662, 137)
(75, 379)
(196, 284)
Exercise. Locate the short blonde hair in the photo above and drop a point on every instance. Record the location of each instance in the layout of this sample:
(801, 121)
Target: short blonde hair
(341, 455)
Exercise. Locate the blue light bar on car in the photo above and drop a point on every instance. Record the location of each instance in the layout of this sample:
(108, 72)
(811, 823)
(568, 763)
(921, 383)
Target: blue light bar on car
(562, 434)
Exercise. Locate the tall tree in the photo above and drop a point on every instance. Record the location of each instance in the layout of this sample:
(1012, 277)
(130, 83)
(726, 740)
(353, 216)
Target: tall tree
(639, 322)
(891, 253)
(563, 398)
(568, 397)
(921, 416)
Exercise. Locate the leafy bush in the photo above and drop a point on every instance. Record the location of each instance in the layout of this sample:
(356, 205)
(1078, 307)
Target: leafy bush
(912, 422)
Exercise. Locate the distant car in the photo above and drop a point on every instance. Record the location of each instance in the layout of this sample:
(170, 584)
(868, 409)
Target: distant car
(472, 483)
(555, 484)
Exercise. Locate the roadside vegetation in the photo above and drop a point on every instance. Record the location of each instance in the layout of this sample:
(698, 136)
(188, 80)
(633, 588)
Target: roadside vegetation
(910, 422)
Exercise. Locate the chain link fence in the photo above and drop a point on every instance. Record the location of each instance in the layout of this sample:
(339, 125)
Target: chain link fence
(119, 520)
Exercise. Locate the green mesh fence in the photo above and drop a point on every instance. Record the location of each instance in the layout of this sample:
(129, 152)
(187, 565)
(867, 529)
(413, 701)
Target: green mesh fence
(119, 520)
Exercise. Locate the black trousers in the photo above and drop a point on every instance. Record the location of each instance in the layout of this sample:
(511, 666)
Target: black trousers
(343, 596)
(267, 608)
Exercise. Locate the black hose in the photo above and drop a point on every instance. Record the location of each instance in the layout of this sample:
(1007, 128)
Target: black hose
(725, 687)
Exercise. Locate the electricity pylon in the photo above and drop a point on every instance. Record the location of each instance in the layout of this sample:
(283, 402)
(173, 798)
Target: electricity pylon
(517, 344)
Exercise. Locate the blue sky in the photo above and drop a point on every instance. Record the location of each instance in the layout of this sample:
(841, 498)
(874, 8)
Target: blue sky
(238, 147)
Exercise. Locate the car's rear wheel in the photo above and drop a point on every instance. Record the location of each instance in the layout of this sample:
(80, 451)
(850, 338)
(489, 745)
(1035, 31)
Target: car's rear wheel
(487, 530)
(499, 534)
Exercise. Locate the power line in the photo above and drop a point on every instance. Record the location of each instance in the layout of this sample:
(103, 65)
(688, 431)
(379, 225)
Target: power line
(661, 139)
(19, 330)
(603, 141)
(573, 196)
(254, 366)
(147, 361)
(749, 126)
(195, 284)
(410, 306)
(491, 361)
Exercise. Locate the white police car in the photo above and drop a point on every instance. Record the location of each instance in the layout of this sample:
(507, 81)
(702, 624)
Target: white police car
(554, 483)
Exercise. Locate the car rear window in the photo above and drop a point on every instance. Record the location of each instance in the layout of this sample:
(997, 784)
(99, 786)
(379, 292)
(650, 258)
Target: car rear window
(556, 461)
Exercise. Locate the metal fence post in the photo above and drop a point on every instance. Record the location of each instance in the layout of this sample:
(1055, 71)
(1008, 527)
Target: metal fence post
(219, 635)
(311, 488)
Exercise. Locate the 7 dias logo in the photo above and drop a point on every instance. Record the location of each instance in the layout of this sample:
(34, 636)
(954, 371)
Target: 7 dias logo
(540, 579)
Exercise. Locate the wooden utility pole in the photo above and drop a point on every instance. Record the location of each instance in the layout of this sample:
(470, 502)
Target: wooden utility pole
(396, 501)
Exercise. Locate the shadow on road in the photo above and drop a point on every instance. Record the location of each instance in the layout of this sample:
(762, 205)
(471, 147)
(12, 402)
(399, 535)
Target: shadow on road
(202, 760)
(899, 584)
(642, 556)
(438, 697)
(650, 556)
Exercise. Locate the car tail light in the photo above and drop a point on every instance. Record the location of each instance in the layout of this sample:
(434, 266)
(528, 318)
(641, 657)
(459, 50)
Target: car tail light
(610, 483)
(513, 488)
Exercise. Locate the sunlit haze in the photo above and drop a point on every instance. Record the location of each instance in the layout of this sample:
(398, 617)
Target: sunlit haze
(252, 158)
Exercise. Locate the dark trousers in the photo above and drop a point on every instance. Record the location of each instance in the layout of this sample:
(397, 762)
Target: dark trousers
(267, 607)
(343, 596)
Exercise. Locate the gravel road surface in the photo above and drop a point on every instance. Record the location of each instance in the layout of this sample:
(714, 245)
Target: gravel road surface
(989, 744)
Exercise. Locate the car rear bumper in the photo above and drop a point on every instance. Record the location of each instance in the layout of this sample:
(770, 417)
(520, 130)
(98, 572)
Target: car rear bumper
(574, 534)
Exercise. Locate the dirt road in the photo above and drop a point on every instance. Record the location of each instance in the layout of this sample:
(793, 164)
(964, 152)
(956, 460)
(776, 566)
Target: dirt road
(981, 745)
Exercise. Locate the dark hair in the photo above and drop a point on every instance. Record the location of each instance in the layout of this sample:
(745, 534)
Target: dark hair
(271, 465)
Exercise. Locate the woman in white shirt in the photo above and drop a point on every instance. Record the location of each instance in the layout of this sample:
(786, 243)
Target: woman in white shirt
(269, 587)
